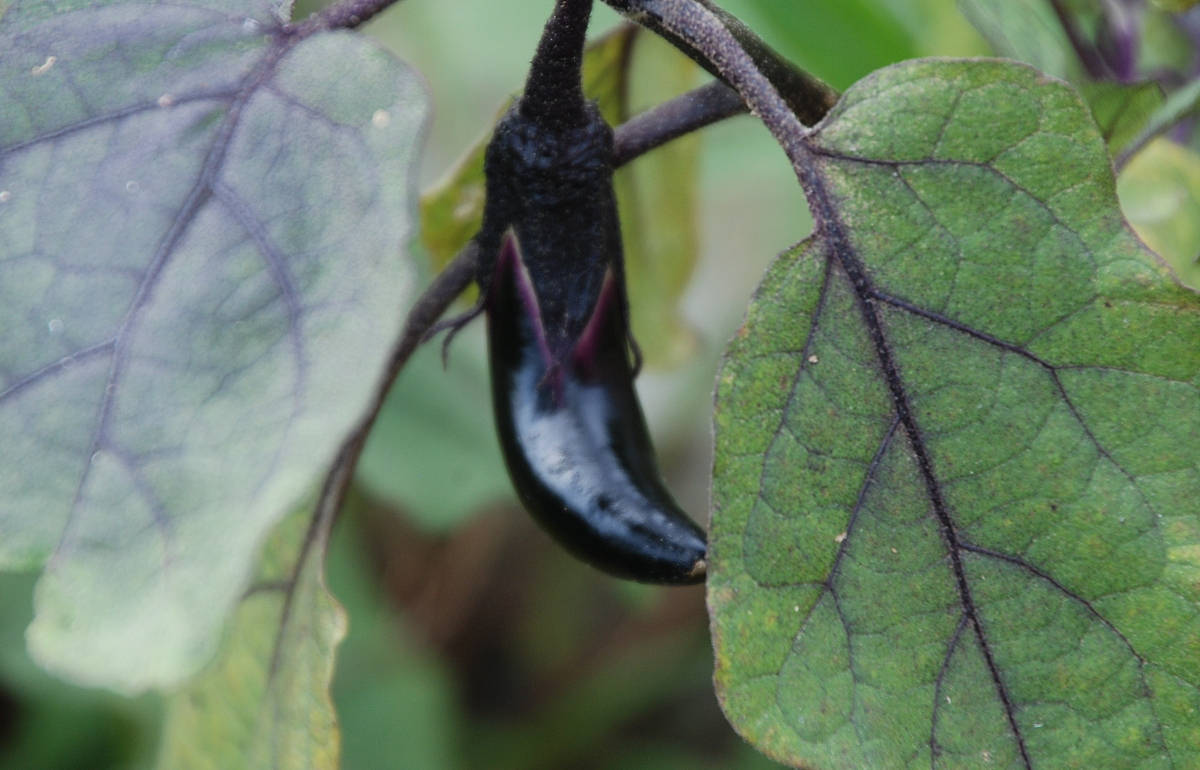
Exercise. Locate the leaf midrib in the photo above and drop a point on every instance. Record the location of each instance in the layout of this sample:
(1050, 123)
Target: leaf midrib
(832, 234)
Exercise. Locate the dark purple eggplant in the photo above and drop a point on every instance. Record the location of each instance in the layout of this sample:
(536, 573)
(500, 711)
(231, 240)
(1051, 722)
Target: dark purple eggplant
(574, 438)
(562, 357)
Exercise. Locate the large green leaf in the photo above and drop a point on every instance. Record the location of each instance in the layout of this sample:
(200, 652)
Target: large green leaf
(265, 702)
(955, 519)
(200, 272)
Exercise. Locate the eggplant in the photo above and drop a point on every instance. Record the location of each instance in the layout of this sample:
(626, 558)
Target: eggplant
(562, 358)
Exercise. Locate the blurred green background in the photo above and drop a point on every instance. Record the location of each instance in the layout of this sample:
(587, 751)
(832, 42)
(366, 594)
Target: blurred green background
(474, 641)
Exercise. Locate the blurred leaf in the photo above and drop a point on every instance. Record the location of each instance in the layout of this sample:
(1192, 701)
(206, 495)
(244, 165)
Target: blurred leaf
(50, 724)
(433, 451)
(1160, 194)
(606, 71)
(658, 199)
(1025, 30)
(1121, 110)
(838, 42)
(576, 724)
(383, 679)
(1165, 45)
(936, 27)
(1175, 6)
(452, 209)
(1175, 108)
(265, 702)
(956, 468)
(199, 225)
(680, 758)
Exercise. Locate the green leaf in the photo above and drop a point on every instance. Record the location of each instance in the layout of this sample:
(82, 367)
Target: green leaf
(1122, 110)
(1025, 30)
(658, 198)
(817, 36)
(1029, 31)
(265, 701)
(1166, 45)
(956, 469)
(387, 675)
(1160, 194)
(433, 450)
(1173, 109)
(452, 209)
(200, 281)
(1175, 6)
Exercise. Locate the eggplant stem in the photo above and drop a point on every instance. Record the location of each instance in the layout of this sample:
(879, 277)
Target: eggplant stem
(808, 97)
(672, 119)
(446, 287)
(554, 90)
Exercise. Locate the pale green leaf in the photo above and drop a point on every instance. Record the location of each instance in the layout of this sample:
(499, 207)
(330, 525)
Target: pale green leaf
(201, 270)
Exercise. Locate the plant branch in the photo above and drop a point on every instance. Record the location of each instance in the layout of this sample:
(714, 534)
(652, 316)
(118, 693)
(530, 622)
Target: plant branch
(448, 284)
(683, 114)
(702, 29)
(806, 96)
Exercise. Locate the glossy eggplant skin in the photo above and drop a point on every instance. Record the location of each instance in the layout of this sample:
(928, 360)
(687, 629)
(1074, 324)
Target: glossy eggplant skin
(574, 438)
(551, 274)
